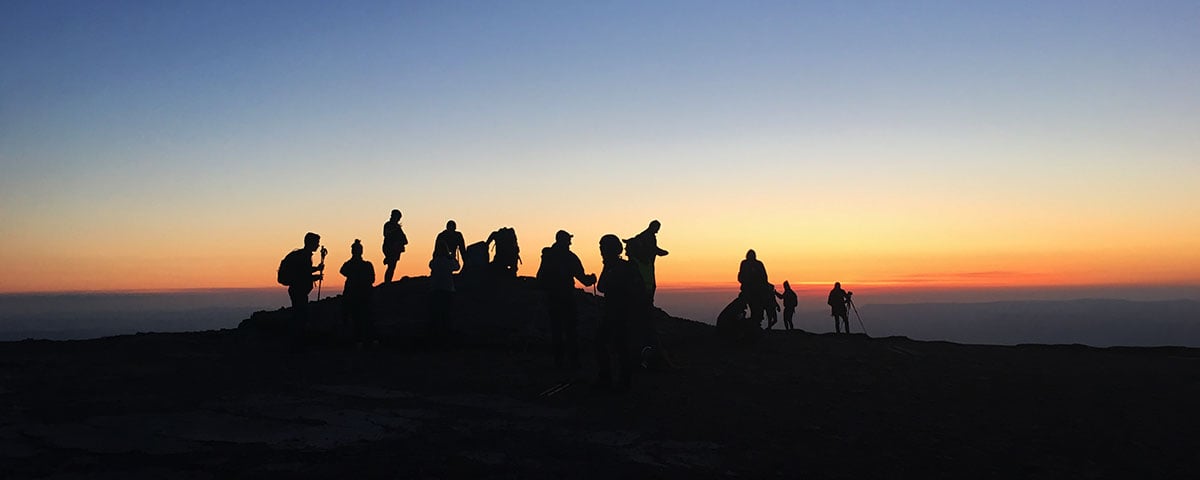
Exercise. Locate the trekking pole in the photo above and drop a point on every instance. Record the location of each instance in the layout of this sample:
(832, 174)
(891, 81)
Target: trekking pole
(859, 317)
(319, 281)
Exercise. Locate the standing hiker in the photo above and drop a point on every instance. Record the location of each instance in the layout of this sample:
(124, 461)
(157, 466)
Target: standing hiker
(441, 298)
(394, 241)
(297, 272)
(624, 304)
(559, 270)
(837, 301)
(451, 241)
(752, 276)
(642, 249)
(789, 305)
(356, 296)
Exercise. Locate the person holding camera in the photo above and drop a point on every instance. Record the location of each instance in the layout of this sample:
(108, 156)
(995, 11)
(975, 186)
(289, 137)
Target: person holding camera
(838, 299)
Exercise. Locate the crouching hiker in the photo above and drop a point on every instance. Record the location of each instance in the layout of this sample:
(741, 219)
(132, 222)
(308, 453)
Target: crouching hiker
(625, 302)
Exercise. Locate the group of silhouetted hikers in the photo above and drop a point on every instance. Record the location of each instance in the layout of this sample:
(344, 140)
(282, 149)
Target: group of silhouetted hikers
(758, 295)
(625, 332)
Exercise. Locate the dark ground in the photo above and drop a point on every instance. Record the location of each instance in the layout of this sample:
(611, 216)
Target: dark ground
(220, 404)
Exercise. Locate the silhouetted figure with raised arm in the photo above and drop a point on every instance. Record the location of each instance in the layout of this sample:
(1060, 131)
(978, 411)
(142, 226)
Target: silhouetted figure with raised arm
(789, 305)
(451, 241)
(559, 270)
(752, 276)
(356, 296)
(837, 300)
(441, 298)
(625, 302)
(298, 273)
(642, 249)
(394, 241)
(772, 306)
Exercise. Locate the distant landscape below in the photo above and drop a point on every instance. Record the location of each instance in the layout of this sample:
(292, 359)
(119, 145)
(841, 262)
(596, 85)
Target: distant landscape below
(1097, 317)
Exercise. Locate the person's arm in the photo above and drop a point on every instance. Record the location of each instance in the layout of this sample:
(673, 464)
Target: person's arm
(577, 272)
(370, 273)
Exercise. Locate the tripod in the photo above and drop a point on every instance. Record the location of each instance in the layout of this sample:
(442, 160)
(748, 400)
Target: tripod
(860, 322)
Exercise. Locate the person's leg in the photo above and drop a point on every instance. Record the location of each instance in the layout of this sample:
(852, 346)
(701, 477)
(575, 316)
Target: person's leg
(391, 270)
(295, 330)
(603, 360)
(556, 330)
(571, 335)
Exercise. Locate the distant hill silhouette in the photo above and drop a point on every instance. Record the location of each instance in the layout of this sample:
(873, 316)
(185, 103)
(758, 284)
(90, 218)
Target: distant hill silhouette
(1096, 322)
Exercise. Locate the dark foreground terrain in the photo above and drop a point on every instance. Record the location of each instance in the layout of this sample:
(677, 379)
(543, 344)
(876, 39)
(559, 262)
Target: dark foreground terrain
(228, 404)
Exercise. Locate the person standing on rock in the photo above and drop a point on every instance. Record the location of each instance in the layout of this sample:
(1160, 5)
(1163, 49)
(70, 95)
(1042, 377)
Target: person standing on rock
(451, 241)
(441, 297)
(356, 296)
(559, 270)
(789, 305)
(298, 273)
(394, 241)
(642, 249)
(837, 300)
(752, 276)
(625, 300)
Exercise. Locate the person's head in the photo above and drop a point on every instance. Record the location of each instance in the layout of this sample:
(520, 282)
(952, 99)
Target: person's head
(450, 225)
(396, 215)
(837, 284)
(562, 238)
(356, 249)
(311, 241)
(654, 226)
(610, 246)
(786, 285)
(750, 255)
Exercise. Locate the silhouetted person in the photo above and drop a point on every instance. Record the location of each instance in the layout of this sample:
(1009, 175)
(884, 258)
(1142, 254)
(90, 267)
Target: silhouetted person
(441, 298)
(625, 302)
(837, 300)
(732, 322)
(559, 270)
(508, 252)
(772, 306)
(394, 241)
(356, 296)
(298, 273)
(752, 276)
(789, 305)
(451, 241)
(642, 249)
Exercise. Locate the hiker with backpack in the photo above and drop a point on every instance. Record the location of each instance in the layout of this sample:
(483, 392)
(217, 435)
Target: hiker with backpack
(624, 304)
(297, 272)
(559, 270)
(394, 241)
(508, 253)
(356, 296)
(642, 249)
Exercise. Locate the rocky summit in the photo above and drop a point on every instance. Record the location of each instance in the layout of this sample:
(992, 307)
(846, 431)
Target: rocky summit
(239, 404)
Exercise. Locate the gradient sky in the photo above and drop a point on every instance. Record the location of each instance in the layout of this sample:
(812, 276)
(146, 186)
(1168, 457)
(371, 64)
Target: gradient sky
(162, 145)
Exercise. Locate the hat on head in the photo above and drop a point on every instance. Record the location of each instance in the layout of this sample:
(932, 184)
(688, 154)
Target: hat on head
(562, 235)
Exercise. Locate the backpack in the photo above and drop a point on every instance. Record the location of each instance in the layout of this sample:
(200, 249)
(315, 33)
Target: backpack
(290, 269)
(507, 251)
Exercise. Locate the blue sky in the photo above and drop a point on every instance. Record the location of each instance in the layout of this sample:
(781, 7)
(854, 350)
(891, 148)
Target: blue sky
(158, 127)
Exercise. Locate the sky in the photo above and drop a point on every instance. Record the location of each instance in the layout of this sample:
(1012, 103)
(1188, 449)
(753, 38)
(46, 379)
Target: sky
(169, 145)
